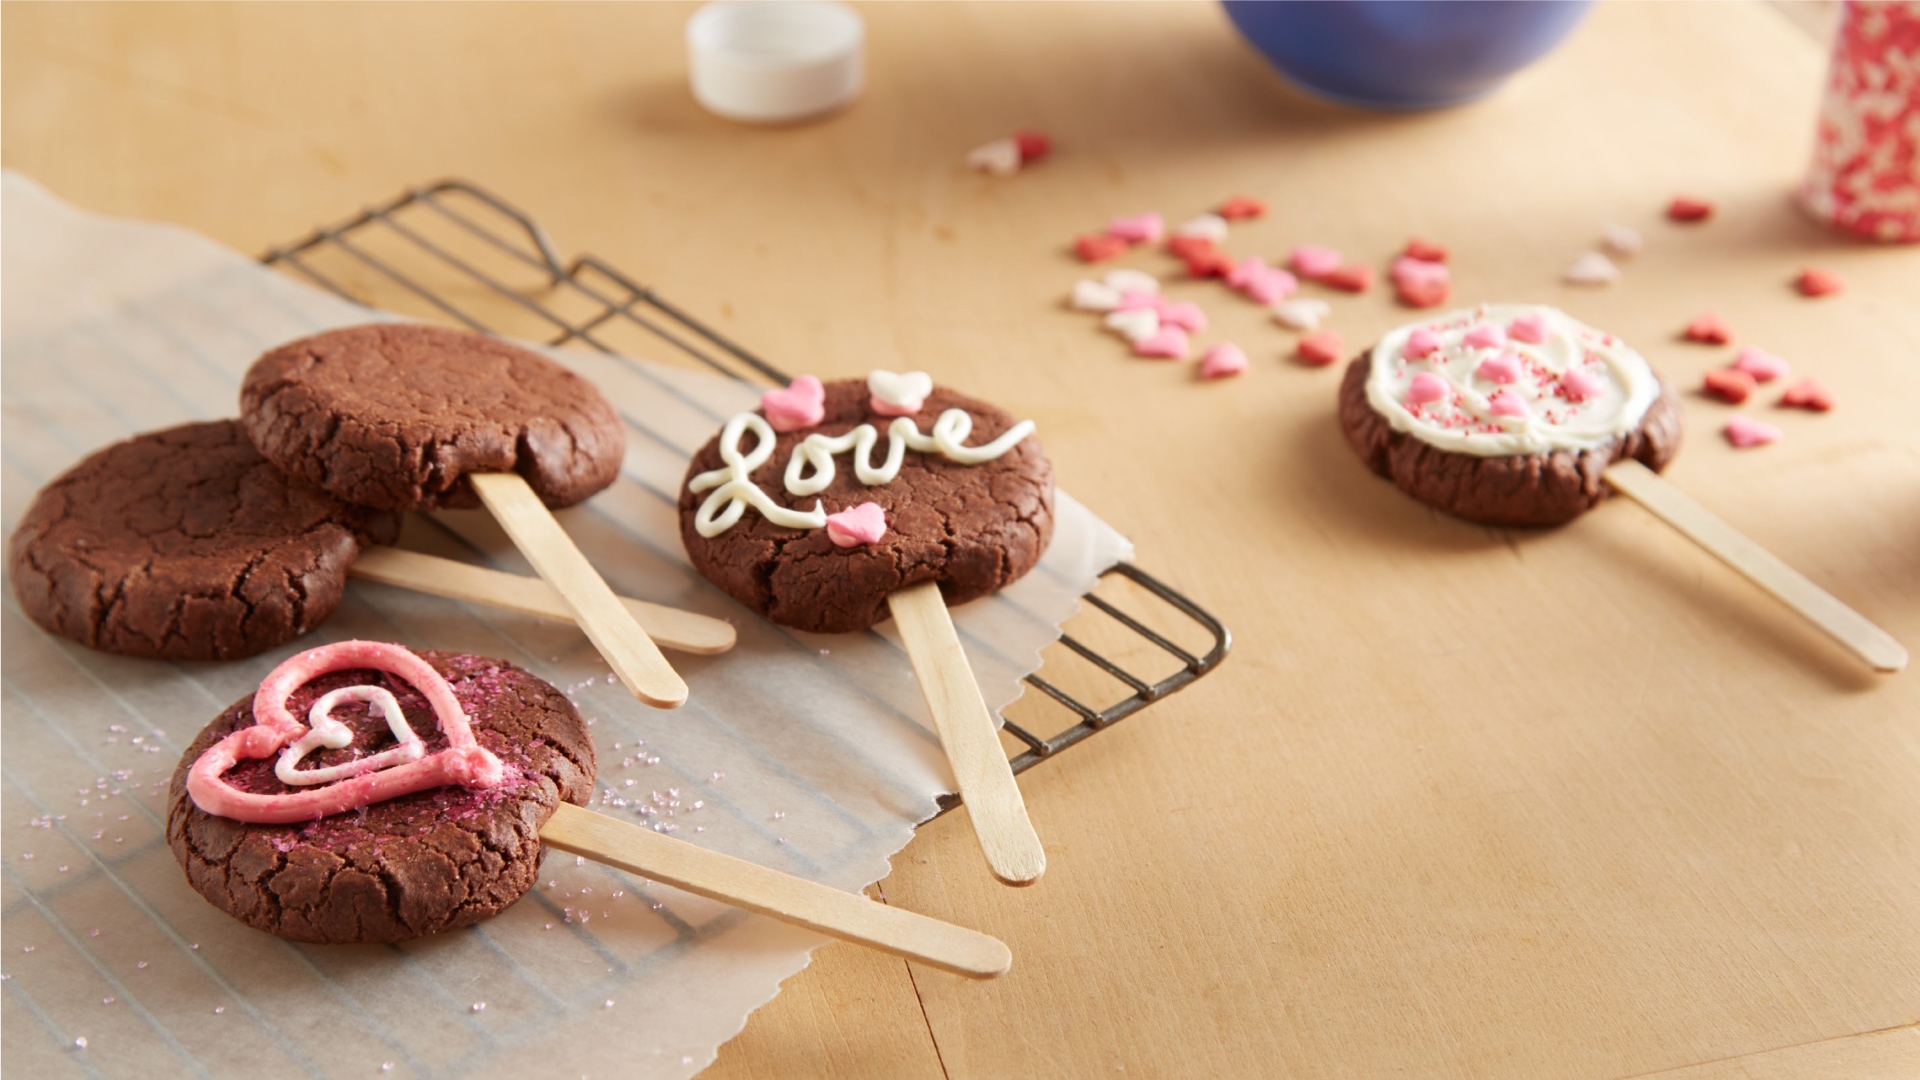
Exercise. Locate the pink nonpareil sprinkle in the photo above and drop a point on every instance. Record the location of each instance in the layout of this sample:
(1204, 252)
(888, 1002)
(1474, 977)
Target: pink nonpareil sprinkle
(1759, 363)
(1426, 387)
(1222, 360)
(1420, 344)
(1313, 261)
(1167, 343)
(1744, 432)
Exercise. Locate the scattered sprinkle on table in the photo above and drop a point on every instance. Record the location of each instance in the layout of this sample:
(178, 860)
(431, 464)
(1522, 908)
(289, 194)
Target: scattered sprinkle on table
(1709, 329)
(1745, 432)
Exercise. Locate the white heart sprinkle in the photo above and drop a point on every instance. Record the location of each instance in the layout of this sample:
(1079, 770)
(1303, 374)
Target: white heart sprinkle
(1127, 281)
(1136, 325)
(1205, 227)
(1001, 157)
(1094, 296)
(904, 391)
(1622, 240)
(1591, 268)
(1304, 313)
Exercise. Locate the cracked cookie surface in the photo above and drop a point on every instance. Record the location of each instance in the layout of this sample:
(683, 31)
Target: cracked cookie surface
(186, 544)
(973, 528)
(395, 415)
(1524, 490)
(419, 864)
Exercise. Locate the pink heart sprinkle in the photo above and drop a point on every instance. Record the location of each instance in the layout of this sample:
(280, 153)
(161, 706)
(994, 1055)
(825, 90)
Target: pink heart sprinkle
(1507, 403)
(1421, 343)
(1426, 387)
(1272, 286)
(1409, 271)
(1503, 368)
(1312, 260)
(1136, 299)
(1580, 385)
(1745, 431)
(1170, 343)
(1489, 336)
(1223, 360)
(863, 524)
(1245, 271)
(1531, 329)
(799, 406)
(1762, 365)
(1138, 228)
(1186, 315)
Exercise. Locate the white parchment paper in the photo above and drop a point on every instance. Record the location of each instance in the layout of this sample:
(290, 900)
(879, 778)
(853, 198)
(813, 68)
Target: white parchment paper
(808, 753)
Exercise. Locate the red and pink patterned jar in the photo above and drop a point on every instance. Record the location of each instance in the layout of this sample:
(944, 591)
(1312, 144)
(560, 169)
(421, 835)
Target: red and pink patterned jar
(1865, 177)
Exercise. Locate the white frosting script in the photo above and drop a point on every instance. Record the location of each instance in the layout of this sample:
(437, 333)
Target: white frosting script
(734, 489)
(1471, 384)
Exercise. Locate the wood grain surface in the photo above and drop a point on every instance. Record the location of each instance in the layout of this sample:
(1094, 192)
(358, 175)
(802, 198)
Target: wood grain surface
(1463, 802)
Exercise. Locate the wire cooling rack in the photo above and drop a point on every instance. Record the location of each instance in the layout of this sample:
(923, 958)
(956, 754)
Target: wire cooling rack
(454, 250)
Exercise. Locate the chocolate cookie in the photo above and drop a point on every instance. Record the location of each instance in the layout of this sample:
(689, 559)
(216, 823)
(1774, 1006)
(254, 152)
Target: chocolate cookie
(396, 415)
(418, 864)
(1565, 423)
(974, 528)
(186, 544)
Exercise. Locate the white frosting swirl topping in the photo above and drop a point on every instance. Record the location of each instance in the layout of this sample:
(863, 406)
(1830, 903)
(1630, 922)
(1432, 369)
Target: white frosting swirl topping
(1504, 379)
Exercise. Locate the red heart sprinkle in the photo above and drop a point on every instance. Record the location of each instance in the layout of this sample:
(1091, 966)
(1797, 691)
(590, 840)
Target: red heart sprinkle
(1807, 394)
(1242, 208)
(1209, 264)
(1098, 247)
(1688, 208)
(1814, 281)
(1321, 349)
(1709, 329)
(1033, 145)
(1425, 251)
(1356, 278)
(1730, 385)
(1186, 247)
(1422, 292)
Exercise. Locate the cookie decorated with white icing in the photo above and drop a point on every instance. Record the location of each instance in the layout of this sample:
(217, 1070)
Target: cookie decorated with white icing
(813, 508)
(1506, 414)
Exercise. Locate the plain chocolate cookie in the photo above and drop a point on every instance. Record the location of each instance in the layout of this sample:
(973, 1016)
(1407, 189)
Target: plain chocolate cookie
(186, 544)
(1513, 490)
(396, 415)
(973, 528)
(416, 865)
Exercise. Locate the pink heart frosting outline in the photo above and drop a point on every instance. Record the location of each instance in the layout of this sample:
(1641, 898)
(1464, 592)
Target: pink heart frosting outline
(464, 761)
(796, 407)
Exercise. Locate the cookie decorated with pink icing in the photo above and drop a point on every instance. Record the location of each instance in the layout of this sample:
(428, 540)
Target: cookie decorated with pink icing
(1506, 414)
(369, 793)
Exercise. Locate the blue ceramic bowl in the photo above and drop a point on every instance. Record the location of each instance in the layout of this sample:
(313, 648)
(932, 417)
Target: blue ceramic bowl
(1403, 54)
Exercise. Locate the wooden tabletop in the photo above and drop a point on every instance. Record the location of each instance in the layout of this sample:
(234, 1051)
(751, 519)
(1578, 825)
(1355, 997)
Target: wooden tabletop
(1463, 802)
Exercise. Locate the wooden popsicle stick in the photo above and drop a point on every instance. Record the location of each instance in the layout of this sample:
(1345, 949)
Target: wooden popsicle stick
(844, 915)
(623, 645)
(969, 735)
(1760, 566)
(669, 628)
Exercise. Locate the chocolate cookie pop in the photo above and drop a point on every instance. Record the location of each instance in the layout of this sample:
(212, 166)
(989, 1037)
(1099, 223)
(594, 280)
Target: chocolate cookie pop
(418, 796)
(959, 505)
(408, 417)
(1519, 415)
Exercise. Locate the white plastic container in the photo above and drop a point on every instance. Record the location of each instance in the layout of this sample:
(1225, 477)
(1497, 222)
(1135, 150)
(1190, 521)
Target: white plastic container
(774, 61)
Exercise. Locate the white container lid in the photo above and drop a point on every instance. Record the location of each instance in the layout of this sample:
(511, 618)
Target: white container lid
(767, 61)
